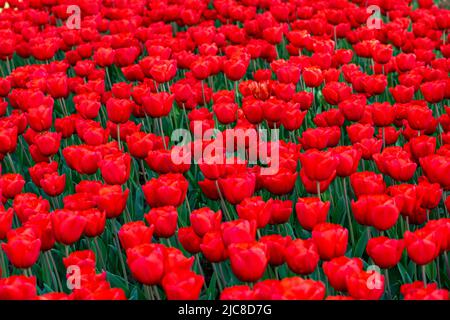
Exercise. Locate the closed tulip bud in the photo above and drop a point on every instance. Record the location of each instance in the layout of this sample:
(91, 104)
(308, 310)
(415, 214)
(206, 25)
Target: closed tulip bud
(164, 220)
(40, 118)
(402, 94)
(312, 76)
(139, 144)
(433, 91)
(226, 112)
(235, 69)
(65, 126)
(348, 158)
(248, 260)
(280, 183)
(353, 107)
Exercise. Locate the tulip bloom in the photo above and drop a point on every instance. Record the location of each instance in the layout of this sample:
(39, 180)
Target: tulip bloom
(164, 220)
(166, 190)
(133, 234)
(18, 288)
(302, 256)
(337, 270)
(22, 247)
(385, 252)
(182, 285)
(68, 226)
(238, 186)
(311, 211)
(146, 262)
(248, 260)
(204, 220)
(330, 239)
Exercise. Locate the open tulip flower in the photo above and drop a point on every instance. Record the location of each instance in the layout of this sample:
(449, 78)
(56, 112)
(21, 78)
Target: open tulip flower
(225, 149)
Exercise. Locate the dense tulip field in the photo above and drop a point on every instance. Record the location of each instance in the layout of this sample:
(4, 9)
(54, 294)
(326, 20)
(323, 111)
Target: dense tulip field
(224, 149)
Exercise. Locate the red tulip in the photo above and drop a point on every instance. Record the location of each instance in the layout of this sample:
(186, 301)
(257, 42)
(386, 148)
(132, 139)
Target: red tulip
(189, 239)
(18, 288)
(422, 246)
(53, 184)
(213, 247)
(182, 285)
(302, 256)
(22, 247)
(330, 239)
(337, 270)
(68, 226)
(205, 220)
(167, 190)
(248, 260)
(146, 262)
(365, 285)
(385, 252)
(237, 187)
(133, 234)
(112, 200)
(164, 220)
(311, 211)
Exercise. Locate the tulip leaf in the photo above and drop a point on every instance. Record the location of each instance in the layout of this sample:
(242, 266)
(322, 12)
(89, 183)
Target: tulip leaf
(404, 274)
(361, 245)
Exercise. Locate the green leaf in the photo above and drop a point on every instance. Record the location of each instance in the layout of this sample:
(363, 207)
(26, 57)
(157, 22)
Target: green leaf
(406, 278)
(361, 245)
